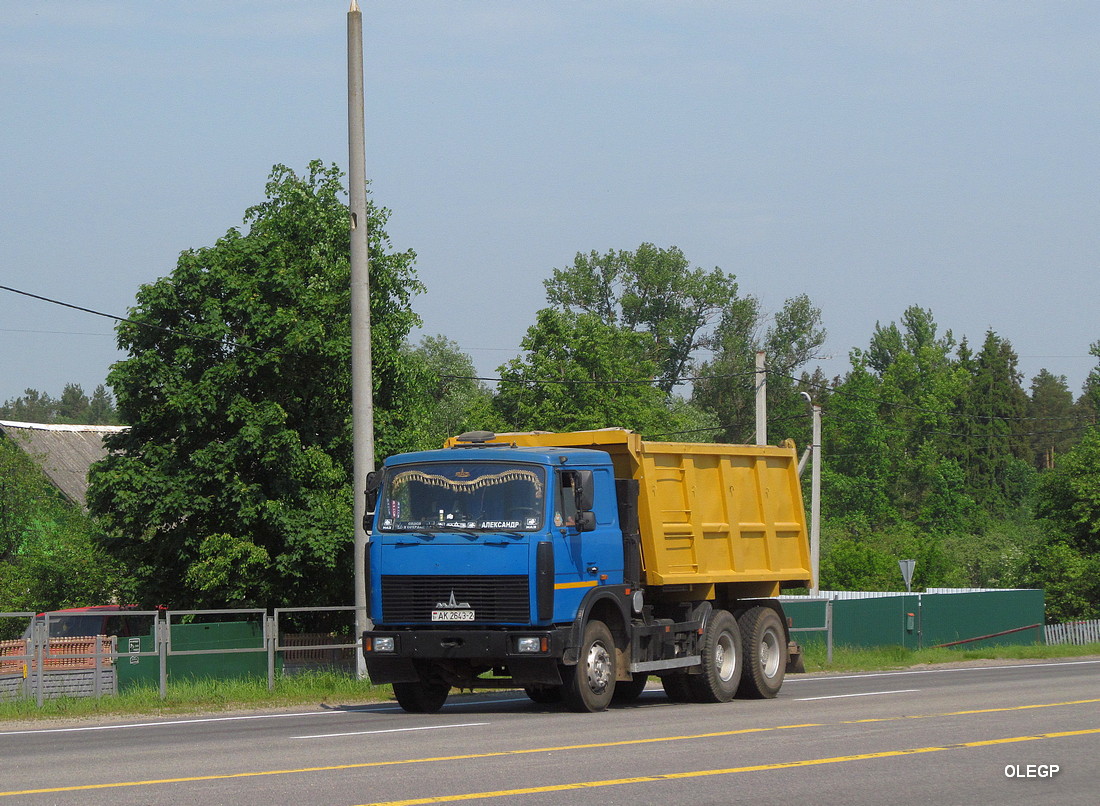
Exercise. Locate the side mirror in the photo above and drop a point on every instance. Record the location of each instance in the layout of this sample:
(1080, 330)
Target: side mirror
(586, 521)
(374, 483)
(584, 492)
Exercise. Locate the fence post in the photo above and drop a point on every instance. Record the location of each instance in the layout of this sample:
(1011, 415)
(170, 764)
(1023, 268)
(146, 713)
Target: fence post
(829, 631)
(41, 650)
(97, 661)
(271, 638)
(162, 628)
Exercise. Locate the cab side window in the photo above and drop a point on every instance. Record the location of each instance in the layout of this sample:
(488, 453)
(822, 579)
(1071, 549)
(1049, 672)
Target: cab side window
(565, 513)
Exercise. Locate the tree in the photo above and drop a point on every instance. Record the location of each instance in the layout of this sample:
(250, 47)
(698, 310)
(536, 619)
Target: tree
(580, 372)
(48, 553)
(857, 456)
(1069, 495)
(459, 402)
(73, 406)
(1089, 402)
(652, 291)
(232, 485)
(726, 383)
(1051, 411)
(992, 410)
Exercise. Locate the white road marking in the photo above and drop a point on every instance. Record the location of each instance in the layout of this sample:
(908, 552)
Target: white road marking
(1005, 666)
(861, 694)
(391, 730)
(197, 721)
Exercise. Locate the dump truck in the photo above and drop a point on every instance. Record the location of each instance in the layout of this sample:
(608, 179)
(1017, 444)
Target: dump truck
(578, 565)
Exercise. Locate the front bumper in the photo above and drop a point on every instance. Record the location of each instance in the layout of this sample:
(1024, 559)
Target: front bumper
(484, 645)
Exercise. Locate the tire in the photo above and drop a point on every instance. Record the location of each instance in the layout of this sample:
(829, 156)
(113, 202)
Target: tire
(765, 650)
(676, 687)
(627, 692)
(590, 684)
(421, 698)
(721, 668)
(544, 695)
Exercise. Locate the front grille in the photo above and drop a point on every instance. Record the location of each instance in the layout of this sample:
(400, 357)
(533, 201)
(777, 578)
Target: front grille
(498, 599)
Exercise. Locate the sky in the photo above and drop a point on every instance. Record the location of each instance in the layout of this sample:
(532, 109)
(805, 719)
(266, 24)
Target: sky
(871, 155)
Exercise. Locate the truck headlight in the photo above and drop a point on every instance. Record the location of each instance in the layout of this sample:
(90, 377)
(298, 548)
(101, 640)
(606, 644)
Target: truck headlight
(529, 644)
(383, 643)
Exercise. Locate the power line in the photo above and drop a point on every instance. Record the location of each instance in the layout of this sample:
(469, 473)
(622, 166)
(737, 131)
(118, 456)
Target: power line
(150, 326)
(922, 410)
(971, 435)
(607, 382)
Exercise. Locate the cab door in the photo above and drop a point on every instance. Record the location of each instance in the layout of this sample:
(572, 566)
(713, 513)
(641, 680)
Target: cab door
(588, 547)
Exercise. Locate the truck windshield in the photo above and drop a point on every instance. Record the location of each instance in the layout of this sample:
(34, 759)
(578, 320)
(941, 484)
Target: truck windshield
(474, 496)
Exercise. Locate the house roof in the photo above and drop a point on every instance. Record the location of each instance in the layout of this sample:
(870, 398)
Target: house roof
(64, 452)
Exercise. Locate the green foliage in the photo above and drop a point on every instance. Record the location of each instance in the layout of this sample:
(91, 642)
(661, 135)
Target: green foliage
(869, 561)
(562, 381)
(1069, 495)
(1069, 578)
(458, 402)
(1089, 402)
(1054, 418)
(726, 383)
(48, 553)
(928, 457)
(652, 291)
(74, 407)
(989, 445)
(232, 485)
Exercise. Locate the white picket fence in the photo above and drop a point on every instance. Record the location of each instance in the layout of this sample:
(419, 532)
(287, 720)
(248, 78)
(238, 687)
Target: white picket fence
(1074, 632)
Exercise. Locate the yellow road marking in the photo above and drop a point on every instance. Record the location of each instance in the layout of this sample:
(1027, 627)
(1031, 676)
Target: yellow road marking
(673, 776)
(398, 762)
(501, 753)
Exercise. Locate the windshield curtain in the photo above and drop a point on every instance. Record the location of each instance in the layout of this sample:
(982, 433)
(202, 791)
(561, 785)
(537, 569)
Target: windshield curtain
(484, 496)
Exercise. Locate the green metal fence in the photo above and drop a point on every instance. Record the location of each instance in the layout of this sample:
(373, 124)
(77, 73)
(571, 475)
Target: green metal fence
(971, 618)
(181, 644)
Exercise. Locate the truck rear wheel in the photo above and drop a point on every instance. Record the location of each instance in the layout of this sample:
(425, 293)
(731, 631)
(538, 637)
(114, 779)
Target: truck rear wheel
(676, 687)
(421, 698)
(765, 643)
(721, 667)
(590, 684)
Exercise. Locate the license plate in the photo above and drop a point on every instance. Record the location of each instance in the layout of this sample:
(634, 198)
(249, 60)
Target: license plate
(452, 615)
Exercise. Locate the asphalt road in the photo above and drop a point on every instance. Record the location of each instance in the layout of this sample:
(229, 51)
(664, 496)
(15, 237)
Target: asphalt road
(1018, 733)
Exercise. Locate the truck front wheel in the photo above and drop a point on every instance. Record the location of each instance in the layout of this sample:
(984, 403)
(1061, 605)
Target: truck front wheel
(590, 684)
(421, 698)
(765, 653)
(721, 667)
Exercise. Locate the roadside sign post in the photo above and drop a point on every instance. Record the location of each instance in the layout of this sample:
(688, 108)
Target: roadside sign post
(907, 573)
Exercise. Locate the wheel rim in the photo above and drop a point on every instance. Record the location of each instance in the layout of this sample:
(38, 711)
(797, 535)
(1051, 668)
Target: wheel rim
(725, 657)
(770, 653)
(599, 668)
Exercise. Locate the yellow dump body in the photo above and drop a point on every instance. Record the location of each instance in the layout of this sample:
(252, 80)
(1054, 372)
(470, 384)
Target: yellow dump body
(708, 513)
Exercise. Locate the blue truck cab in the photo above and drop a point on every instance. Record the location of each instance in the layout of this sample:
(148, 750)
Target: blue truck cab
(482, 560)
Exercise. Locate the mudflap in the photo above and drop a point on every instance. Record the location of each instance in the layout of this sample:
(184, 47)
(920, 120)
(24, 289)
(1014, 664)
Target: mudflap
(796, 664)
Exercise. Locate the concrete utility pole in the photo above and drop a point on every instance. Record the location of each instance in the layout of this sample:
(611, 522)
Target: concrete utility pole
(761, 398)
(815, 505)
(814, 452)
(362, 399)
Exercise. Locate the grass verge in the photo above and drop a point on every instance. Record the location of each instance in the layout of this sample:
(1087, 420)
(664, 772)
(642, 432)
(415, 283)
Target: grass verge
(203, 696)
(860, 659)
